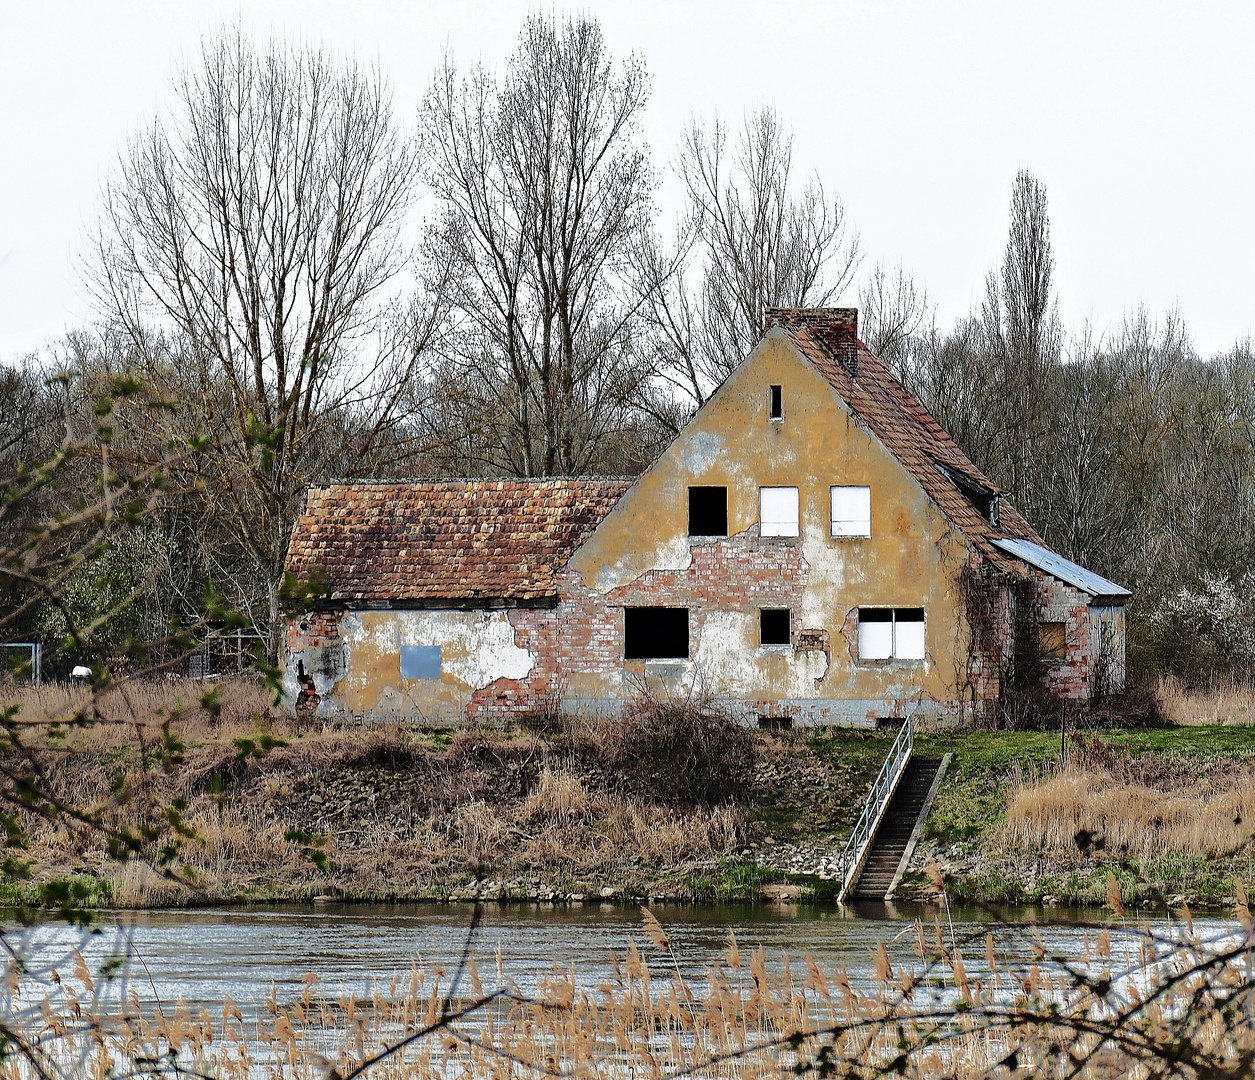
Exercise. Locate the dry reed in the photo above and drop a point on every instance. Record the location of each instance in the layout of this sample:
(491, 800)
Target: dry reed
(148, 703)
(396, 817)
(1222, 703)
(1092, 808)
(1132, 1004)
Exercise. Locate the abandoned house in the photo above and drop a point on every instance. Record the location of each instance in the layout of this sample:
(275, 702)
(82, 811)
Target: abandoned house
(812, 548)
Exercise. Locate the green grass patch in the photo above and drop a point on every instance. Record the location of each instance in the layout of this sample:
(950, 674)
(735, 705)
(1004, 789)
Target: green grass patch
(819, 890)
(987, 767)
(733, 880)
(987, 770)
(856, 751)
(68, 893)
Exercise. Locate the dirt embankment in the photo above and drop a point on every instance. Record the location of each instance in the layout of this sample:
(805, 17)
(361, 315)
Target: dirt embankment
(669, 805)
(1169, 814)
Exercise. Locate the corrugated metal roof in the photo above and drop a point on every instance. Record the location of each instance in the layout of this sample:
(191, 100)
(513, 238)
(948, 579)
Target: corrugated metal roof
(1064, 569)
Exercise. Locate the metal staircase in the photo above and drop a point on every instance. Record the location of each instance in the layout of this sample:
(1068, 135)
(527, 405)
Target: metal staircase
(893, 818)
(899, 827)
(878, 799)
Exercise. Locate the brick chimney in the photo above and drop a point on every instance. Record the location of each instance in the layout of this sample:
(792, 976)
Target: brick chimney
(836, 327)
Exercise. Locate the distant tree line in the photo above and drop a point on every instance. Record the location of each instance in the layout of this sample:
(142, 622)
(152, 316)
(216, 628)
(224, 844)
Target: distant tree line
(1129, 452)
(255, 271)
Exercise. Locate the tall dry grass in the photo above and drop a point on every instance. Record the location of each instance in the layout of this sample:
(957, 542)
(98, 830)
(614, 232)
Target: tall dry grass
(562, 832)
(394, 816)
(1229, 702)
(397, 813)
(559, 795)
(146, 703)
(1088, 808)
(1131, 1004)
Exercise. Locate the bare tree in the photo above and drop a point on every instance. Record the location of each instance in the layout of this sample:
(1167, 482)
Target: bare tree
(893, 311)
(1021, 323)
(1025, 324)
(758, 245)
(1074, 496)
(247, 248)
(546, 198)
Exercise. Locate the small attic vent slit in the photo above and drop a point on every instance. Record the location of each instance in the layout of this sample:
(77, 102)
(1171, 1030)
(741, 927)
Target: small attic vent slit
(777, 403)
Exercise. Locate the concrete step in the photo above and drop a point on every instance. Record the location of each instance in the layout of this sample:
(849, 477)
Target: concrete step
(903, 814)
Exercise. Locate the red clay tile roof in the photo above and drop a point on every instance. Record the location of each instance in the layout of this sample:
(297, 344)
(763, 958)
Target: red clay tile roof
(827, 338)
(461, 540)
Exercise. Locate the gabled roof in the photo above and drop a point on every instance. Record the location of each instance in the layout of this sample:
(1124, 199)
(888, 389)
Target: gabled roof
(827, 337)
(1098, 587)
(466, 541)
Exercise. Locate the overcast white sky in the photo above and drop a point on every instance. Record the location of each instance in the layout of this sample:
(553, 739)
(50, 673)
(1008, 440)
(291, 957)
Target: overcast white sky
(1138, 117)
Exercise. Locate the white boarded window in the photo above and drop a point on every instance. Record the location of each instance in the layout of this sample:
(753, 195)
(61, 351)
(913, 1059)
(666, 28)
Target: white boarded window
(875, 633)
(777, 511)
(851, 511)
(908, 633)
(891, 634)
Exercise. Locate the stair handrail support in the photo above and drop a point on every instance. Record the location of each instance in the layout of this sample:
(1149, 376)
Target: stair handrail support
(883, 787)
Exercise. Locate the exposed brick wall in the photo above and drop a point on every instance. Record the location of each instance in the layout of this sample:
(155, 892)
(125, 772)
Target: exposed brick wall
(1049, 600)
(313, 630)
(991, 617)
(584, 633)
(1055, 601)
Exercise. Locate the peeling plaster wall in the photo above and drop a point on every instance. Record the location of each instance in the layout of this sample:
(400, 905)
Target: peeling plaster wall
(640, 555)
(363, 677)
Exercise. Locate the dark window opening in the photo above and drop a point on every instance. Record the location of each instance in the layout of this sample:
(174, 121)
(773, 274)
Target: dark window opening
(874, 614)
(655, 633)
(708, 511)
(985, 501)
(1052, 642)
(773, 626)
(775, 723)
(777, 402)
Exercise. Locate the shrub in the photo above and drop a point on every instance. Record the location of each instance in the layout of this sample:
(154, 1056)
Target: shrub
(678, 751)
(1206, 632)
(1137, 706)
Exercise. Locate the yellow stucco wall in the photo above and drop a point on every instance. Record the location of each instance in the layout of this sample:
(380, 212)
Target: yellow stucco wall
(477, 648)
(911, 559)
(506, 661)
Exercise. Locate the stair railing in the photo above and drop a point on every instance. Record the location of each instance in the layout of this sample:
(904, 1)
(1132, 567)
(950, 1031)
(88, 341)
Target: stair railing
(874, 809)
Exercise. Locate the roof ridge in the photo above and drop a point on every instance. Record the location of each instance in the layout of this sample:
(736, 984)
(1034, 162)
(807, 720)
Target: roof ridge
(535, 480)
(902, 424)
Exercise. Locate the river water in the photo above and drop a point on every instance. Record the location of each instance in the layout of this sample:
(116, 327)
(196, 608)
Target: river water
(203, 956)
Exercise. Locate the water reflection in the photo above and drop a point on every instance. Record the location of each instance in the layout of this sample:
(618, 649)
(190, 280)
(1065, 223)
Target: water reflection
(203, 956)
